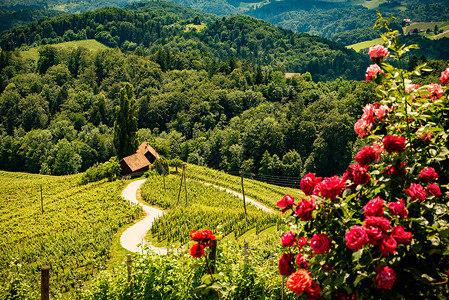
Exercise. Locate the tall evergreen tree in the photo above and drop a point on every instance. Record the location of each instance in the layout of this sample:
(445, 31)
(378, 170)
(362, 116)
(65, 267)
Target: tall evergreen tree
(125, 125)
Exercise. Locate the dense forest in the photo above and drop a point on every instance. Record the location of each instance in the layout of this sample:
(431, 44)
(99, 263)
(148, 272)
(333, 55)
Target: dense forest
(12, 18)
(160, 24)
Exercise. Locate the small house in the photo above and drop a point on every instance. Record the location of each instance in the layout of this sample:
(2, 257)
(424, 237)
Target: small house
(140, 161)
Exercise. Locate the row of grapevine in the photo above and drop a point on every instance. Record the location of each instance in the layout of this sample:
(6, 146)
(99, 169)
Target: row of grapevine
(265, 193)
(207, 207)
(73, 235)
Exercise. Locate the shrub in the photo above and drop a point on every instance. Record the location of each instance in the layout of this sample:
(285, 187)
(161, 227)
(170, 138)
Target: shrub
(109, 169)
(381, 230)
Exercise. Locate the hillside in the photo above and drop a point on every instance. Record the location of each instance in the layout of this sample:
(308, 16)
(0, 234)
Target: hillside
(49, 220)
(67, 6)
(159, 24)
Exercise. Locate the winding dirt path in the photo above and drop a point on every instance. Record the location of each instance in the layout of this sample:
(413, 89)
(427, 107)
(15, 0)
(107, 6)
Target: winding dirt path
(135, 235)
(133, 238)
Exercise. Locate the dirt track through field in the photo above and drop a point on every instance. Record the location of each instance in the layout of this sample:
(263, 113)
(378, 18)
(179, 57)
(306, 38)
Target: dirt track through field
(133, 239)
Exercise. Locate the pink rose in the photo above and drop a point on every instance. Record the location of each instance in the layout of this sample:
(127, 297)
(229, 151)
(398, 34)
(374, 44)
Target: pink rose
(378, 52)
(374, 207)
(398, 208)
(411, 88)
(444, 76)
(288, 239)
(400, 235)
(428, 175)
(433, 189)
(388, 245)
(394, 143)
(372, 71)
(436, 91)
(416, 191)
(301, 262)
(286, 267)
(286, 203)
(356, 237)
(365, 156)
(368, 113)
(362, 127)
(378, 149)
(320, 243)
(304, 209)
(381, 111)
(308, 183)
(385, 278)
(332, 187)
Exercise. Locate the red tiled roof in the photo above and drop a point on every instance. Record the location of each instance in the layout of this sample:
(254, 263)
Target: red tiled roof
(136, 161)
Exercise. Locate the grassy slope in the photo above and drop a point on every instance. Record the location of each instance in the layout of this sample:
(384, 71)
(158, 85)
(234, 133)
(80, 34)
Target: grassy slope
(366, 44)
(88, 44)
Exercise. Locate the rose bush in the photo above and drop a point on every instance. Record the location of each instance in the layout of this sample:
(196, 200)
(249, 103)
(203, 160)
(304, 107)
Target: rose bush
(381, 230)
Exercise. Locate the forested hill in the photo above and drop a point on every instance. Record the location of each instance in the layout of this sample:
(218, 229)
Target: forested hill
(160, 24)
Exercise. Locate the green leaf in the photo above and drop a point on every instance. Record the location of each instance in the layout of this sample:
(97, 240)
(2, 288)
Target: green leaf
(440, 209)
(359, 278)
(357, 255)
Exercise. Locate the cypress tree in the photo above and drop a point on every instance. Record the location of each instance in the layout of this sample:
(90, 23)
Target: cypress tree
(125, 125)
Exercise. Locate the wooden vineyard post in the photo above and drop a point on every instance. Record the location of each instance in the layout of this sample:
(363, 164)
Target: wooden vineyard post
(213, 255)
(45, 283)
(183, 178)
(42, 201)
(243, 193)
(271, 258)
(129, 264)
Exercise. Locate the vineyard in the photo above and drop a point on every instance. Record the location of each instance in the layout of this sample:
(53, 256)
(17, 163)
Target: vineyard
(206, 207)
(72, 234)
(264, 193)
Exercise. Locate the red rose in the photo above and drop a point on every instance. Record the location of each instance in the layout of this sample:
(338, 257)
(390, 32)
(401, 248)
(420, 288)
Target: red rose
(302, 242)
(356, 237)
(398, 208)
(400, 235)
(416, 191)
(428, 175)
(286, 267)
(308, 183)
(360, 174)
(376, 228)
(286, 203)
(197, 250)
(332, 187)
(320, 243)
(301, 262)
(394, 143)
(383, 223)
(288, 239)
(385, 278)
(299, 281)
(365, 156)
(304, 209)
(388, 245)
(197, 236)
(313, 291)
(433, 189)
(374, 207)
(396, 170)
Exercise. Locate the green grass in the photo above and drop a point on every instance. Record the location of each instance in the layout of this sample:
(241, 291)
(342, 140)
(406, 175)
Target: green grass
(425, 26)
(198, 28)
(92, 44)
(366, 44)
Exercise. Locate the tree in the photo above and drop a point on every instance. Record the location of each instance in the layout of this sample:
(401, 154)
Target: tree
(125, 125)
